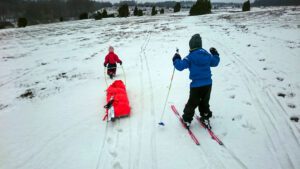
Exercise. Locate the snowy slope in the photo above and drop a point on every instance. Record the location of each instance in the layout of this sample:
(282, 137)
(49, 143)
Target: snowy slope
(255, 92)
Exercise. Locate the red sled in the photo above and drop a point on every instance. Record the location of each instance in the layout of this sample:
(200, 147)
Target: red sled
(117, 101)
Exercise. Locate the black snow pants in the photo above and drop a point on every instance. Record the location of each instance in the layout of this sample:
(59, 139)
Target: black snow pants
(199, 97)
(111, 69)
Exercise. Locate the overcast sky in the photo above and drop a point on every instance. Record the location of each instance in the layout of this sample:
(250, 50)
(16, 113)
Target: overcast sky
(113, 1)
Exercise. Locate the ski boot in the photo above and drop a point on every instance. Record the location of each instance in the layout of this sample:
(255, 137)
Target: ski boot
(205, 121)
(186, 124)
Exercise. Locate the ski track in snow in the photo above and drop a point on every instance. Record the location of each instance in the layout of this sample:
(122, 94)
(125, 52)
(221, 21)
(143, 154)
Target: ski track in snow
(102, 146)
(251, 83)
(152, 109)
(142, 104)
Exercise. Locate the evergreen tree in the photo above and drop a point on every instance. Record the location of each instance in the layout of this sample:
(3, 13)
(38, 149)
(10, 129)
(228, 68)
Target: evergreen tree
(177, 7)
(98, 16)
(136, 10)
(83, 15)
(201, 7)
(162, 11)
(140, 12)
(246, 6)
(104, 13)
(22, 22)
(123, 10)
(154, 11)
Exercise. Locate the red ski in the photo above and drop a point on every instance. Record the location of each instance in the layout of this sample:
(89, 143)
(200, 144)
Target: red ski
(211, 133)
(181, 121)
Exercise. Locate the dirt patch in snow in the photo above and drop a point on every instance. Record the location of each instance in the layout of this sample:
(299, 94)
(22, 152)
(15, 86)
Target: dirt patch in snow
(27, 94)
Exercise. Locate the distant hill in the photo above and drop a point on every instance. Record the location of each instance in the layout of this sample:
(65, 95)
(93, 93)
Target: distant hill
(275, 2)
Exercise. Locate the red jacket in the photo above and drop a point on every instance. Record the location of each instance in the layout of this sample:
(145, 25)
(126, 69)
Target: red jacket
(112, 58)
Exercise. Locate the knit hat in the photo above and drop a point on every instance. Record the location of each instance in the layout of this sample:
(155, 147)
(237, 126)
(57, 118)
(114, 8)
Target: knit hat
(195, 42)
(111, 49)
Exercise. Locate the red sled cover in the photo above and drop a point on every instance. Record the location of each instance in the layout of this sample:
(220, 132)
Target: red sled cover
(117, 92)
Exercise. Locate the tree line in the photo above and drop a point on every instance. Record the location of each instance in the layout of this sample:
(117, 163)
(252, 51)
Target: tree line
(275, 2)
(43, 11)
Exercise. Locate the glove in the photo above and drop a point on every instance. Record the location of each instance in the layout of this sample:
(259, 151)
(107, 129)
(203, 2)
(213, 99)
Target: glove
(213, 51)
(120, 62)
(104, 64)
(176, 56)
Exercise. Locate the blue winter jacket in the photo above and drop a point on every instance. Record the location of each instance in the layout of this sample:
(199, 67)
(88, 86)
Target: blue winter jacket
(199, 62)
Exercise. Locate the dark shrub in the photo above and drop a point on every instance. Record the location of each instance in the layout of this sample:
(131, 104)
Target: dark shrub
(104, 13)
(201, 7)
(162, 11)
(136, 10)
(177, 7)
(123, 10)
(22, 22)
(154, 11)
(98, 16)
(83, 15)
(27, 94)
(140, 12)
(4, 24)
(246, 6)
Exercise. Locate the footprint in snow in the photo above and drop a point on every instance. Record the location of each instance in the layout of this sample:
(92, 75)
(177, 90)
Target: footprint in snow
(249, 126)
(113, 153)
(2, 106)
(237, 117)
(280, 79)
(230, 89)
(247, 103)
(291, 95)
(109, 140)
(232, 96)
(281, 95)
(117, 165)
(265, 68)
(290, 105)
(294, 118)
(224, 134)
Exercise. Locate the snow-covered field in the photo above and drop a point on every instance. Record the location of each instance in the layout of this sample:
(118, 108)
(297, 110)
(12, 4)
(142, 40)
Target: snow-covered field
(52, 90)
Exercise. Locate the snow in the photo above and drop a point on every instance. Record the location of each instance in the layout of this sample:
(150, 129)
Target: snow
(62, 64)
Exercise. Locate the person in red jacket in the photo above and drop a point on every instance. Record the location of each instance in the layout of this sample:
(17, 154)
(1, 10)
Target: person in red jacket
(111, 60)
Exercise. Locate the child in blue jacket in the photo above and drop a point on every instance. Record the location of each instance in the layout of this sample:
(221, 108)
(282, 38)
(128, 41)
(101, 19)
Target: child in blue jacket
(198, 62)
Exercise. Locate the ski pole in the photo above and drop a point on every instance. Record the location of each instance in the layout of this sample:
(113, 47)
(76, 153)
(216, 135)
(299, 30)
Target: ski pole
(124, 74)
(105, 77)
(162, 115)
